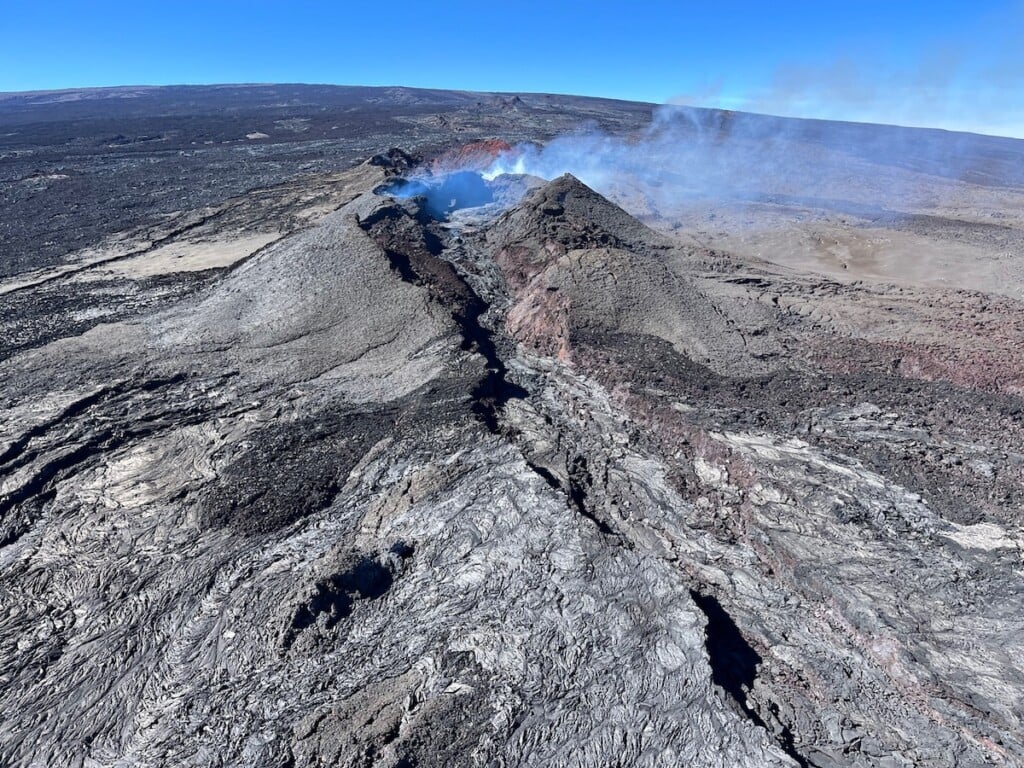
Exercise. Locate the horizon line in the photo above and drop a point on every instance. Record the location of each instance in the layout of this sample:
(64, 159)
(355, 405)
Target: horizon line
(5, 95)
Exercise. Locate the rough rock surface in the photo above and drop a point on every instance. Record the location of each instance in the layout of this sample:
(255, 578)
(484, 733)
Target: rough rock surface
(538, 486)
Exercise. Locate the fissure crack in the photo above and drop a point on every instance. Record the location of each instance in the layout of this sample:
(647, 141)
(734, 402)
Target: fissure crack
(414, 253)
(734, 664)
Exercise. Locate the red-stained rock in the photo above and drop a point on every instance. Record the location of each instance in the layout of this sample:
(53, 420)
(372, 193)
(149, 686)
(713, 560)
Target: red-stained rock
(476, 155)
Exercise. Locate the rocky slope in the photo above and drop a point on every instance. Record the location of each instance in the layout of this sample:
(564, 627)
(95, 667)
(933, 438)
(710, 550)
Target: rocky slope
(528, 485)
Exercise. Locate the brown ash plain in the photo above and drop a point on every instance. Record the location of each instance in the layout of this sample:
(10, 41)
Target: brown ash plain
(697, 443)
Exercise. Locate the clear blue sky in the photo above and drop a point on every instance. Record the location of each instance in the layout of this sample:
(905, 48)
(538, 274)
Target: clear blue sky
(947, 64)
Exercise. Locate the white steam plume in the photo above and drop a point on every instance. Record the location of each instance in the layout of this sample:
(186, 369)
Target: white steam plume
(687, 154)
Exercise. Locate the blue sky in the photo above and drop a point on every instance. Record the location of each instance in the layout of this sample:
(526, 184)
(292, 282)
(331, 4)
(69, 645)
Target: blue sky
(957, 65)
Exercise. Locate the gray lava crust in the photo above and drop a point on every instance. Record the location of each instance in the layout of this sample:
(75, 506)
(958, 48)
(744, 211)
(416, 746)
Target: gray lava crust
(316, 476)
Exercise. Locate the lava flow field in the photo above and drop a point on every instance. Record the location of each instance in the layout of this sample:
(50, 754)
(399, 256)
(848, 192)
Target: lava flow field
(387, 427)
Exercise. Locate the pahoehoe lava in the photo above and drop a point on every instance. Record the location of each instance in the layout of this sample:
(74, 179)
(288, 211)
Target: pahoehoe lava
(340, 449)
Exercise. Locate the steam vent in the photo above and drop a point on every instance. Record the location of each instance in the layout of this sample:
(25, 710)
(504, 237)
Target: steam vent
(434, 430)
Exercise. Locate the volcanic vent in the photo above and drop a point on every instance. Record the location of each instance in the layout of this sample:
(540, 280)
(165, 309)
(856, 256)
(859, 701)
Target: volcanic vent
(442, 195)
(471, 176)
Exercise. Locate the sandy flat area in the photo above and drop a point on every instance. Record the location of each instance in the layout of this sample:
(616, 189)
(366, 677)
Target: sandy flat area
(186, 256)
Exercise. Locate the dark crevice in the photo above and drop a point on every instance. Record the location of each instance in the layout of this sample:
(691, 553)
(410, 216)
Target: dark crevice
(576, 494)
(400, 263)
(15, 449)
(39, 488)
(414, 251)
(16, 455)
(602, 526)
(40, 485)
(734, 666)
(580, 482)
(546, 475)
(104, 441)
(495, 390)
